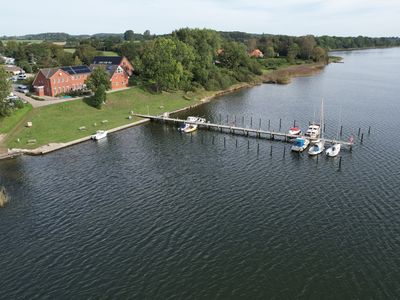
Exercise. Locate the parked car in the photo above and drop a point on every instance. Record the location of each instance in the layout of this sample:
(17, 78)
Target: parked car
(22, 76)
(22, 89)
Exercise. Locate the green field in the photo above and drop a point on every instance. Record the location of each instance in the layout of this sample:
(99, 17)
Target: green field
(23, 41)
(104, 53)
(61, 122)
(8, 123)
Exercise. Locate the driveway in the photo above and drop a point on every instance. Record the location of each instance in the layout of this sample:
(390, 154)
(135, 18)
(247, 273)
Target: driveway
(37, 103)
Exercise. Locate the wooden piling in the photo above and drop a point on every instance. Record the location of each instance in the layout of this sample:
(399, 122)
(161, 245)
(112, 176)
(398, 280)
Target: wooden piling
(243, 120)
(236, 143)
(270, 153)
(280, 124)
(340, 163)
(258, 148)
(269, 124)
(359, 130)
(224, 142)
(220, 119)
(284, 151)
(341, 130)
(369, 130)
(251, 121)
(227, 119)
(213, 140)
(248, 144)
(362, 137)
(191, 137)
(294, 123)
(259, 125)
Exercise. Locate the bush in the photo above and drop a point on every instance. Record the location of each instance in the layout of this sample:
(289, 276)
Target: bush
(79, 93)
(19, 104)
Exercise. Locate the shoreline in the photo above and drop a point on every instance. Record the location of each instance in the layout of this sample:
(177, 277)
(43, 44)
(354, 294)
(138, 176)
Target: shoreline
(289, 72)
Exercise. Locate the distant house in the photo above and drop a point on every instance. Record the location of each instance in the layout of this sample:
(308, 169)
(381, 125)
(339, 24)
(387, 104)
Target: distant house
(13, 70)
(256, 53)
(55, 81)
(118, 68)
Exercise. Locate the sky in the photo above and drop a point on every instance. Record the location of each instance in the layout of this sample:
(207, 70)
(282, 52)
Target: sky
(292, 17)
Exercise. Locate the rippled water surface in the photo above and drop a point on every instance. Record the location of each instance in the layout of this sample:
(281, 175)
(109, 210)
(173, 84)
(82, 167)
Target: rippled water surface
(153, 214)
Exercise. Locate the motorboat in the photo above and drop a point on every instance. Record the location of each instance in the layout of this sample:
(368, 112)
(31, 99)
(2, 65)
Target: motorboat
(317, 148)
(294, 131)
(100, 134)
(191, 124)
(313, 131)
(333, 150)
(300, 144)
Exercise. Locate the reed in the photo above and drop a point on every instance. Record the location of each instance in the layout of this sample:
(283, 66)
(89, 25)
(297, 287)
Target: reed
(3, 196)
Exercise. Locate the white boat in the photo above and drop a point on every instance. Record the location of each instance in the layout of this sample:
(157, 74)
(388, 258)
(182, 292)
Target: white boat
(190, 124)
(317, 148)
(300, 144)
(100, 134)
(333, 150)
(318, 145)
(294, 131)
(313, 131)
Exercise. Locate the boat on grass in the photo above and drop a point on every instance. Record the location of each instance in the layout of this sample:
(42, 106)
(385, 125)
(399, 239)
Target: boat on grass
(191, 124)
(100, 134)
(300, 144)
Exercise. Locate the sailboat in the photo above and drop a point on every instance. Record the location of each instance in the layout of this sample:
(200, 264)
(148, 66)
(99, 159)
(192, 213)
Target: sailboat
(318, 146)
(334, 150)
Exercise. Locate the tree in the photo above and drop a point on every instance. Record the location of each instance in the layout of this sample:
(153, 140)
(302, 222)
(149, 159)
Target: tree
(129, 35)
(5, 90)
(293, 51)
(85, 53)
(99, 77)
(147, 34)
(307, 44)
(161, 65)
(99, 97)
(320, 55)
(270, 52)
(77, 61)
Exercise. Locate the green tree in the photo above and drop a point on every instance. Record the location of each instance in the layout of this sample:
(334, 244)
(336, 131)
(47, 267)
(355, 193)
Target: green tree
(147, 35)
(319, 55)
(129, 35)
(99, 97)
(270, 52)
(5, 90)
(77, 61)
(99, 77)
(293, 51)
(86, 53)
(161, 65)
(307, 44)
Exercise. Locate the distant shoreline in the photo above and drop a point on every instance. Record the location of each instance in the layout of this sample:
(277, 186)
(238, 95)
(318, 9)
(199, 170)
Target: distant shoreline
(364, 48)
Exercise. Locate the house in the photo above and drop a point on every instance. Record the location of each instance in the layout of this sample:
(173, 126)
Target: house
(55, 81)
(13, 70)
(118, 68)
(256, 53)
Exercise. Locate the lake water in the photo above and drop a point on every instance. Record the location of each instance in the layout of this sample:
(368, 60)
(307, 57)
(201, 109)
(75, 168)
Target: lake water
(150, 213)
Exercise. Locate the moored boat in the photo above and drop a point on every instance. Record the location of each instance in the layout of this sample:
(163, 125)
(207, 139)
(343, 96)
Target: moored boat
(313, 131)
(191, 124)
(100, 134)
(294, 131)
(300, 144)
(333, 150)
(316, 148)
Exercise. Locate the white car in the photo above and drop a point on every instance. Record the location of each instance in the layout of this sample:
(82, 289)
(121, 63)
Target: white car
(22, 89)
(22, 76)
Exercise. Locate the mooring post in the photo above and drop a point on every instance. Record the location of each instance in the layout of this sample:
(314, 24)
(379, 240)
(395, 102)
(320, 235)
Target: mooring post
(258, 148)
(224, 142)
(236, 143)
(270, 153)
(202, 139)
(213, 139)
(317, 158)
(269, 124)
(294, 123)
(259, 125)
(243, 120)
(227, 119)
(191, 137)
(248, 144)
(251, 121)
(362, 137)
(220, 119)
(341, 130)
(340, 164)
(235, 120)
(324, 126)
(284, 151)
(359, 130)
(369, 130)
(280, 124)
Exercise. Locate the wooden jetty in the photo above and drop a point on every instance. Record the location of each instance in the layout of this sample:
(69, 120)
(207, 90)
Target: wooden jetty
(258, 133)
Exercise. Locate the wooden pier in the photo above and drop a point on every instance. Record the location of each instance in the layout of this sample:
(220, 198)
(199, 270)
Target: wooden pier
(258, 133)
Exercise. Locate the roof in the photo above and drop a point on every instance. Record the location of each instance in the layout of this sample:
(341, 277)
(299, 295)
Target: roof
(110, 69)
(107, 60)
(12, 68)
(71, 70)
(76, 70)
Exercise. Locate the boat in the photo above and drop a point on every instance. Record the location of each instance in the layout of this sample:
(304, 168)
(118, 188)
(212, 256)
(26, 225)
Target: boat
(333, 150)
(319, 143)
(188, 126)
(313, 131)
(294, 131)
(300, 144)
(100, 134)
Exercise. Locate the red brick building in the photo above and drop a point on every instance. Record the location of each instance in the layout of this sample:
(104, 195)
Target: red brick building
(55, 81)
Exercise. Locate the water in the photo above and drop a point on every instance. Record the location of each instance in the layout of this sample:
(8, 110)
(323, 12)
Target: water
(151, 214)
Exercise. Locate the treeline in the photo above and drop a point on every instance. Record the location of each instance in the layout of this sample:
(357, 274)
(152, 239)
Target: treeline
(189, 59)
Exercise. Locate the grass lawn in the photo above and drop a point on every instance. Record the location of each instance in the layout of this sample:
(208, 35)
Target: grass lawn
(61, 122)
(69, 50)
(8, 123)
